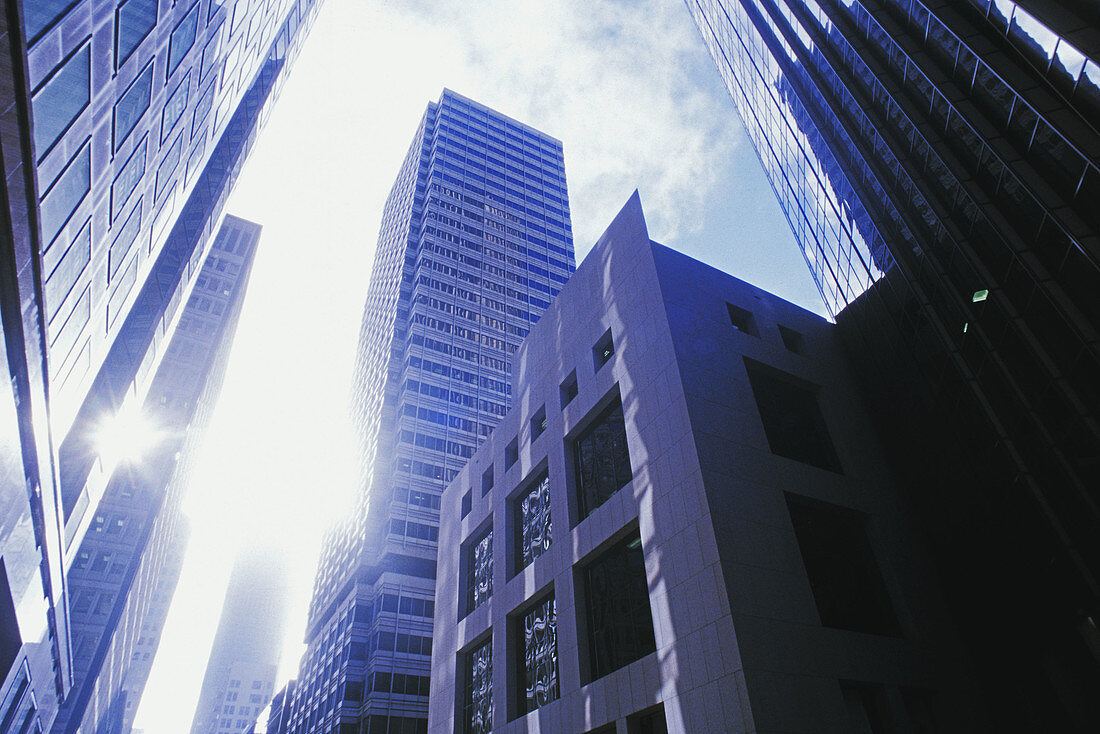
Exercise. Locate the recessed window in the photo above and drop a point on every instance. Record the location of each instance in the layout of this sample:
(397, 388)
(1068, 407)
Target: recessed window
(569, 389)
(651, 721)
(603, 351)
(174, 107)
(511, 453)
(619, 624)
(476, 667)
(40, 15)
(132, 105)
(467, 503)
(477, 559)
(61, 99)
(792, 418)
(537, 645)
(534, 530)
(792, 340)
(168, 167)
(866, 707)
(202, 108)
(538, 423)
(127, 235)
(742, 320)
(487, 481)
(602, 459)
(134, 19)
(61, 281)
(65, 194)
(183, 38)
(845, 580)
(127, 179)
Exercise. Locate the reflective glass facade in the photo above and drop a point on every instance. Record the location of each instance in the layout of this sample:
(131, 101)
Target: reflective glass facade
(939, 165)
(475, 242)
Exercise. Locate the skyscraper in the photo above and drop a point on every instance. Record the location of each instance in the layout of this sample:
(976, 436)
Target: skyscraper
(126, 126)
(128, 562)
(475, 242)
(240, 674)
(938, 163)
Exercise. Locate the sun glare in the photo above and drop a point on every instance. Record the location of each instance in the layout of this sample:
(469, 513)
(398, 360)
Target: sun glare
(125, 437)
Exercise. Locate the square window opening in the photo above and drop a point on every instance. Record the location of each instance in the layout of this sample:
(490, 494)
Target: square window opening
(511, 453)
(538, 423)
(467, 503)
(742, 320)
(650, 721)
(532, 523)
(792, 340)
(536, 648)
(569, 389)
(475, 673)
(477, 564)
(603, 351)
(487, 481)
(601, 459)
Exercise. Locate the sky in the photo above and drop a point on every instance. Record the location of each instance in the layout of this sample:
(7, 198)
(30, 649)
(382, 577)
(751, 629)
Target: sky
(629, 89)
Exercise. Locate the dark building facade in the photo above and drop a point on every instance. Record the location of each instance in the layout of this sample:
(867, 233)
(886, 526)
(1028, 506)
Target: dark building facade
(124, 572)
(125, 127)
(475, 242)
(938, 164)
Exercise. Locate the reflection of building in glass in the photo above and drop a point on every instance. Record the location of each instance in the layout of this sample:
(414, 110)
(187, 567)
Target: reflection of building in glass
(961, 139)
(746, 561)
(475, 243)
(124, 573)
(240, 675)
(129, 123)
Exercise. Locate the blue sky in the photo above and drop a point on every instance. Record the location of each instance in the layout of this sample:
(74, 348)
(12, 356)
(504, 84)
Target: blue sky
(627, 87)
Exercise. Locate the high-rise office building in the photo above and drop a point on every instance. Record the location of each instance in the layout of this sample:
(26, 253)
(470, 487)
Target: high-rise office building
(125, 570)
(938, 163)
(126, 124)
(240, 674)
(475, 242)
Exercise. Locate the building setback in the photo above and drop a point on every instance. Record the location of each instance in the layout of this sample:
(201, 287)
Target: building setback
(126, 127)
(124, 572)
(939, 163)
(693, 526)
(475, 242)
(240, 674)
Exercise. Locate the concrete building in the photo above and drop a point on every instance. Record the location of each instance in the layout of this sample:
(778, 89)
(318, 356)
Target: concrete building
(939, 163)
(476, 240)
(125, 125)
(126, 567)
(693, 526)
(240, 674)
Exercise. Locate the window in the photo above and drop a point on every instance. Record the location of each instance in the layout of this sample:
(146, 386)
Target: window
(602, 459)
(844, 578)
(60, 99)
(174, 107)
(124, 241)
(534, 531)
(477, 559)
(511, 453)
(616, 607)
(538, 423)
(127, 179)
(477, 698)
(41, 14)
(487, 481)
(65, 194)
(61, 281)
(537, 645)
(792, 340)
(168, 166)
(742, 320)
(603, 351)
(132, 105)
(651, 721)
(467, 502)
(866, 707)
(791, 416)
(183, 38)
(134, 19)
(569, 389)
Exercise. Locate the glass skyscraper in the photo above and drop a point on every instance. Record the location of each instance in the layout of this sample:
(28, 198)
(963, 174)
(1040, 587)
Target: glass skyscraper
(475, 242)
(126, 126)
(938, 164)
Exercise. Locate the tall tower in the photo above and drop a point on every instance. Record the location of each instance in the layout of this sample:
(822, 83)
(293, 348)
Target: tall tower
(240, 674)
(939, 163)
(126, 568)
(475, 242)
(128, 122)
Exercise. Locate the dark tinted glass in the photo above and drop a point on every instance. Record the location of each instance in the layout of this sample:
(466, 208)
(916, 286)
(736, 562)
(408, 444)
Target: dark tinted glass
(792, 418)
(183, 38)
(58, 102)
(539, 647)
(132, 105)
(620, 624)
(603, 462)
(135, 18)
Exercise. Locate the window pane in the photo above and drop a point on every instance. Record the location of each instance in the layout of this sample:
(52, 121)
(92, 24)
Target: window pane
(183, 38)
(64, 277)
(58, 102)
(533, 521)
(479, 571)
(135, 18)
(477, 715)
(132, 105)
(127, 179)
(603, 462)
(540, 656)
(65, 195)
(620, 624)
(40, 14)
(124, 241)
(168, 166)
(174, 107)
